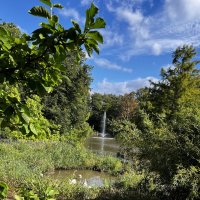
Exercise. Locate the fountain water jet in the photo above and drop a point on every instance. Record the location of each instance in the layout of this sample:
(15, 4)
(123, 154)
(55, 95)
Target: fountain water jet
(103, 143)
(103, 125)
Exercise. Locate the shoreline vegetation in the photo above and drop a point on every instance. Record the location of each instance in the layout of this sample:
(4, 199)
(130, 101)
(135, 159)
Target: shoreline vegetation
(25, 166)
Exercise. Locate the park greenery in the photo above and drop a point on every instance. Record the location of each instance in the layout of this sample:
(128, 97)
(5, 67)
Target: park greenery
(47, 113)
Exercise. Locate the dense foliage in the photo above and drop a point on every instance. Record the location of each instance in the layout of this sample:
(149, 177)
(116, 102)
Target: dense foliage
(37, 62)
(164, 136)
(68, 104)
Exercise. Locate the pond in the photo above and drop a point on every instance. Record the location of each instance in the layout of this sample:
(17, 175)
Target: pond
(102, 145)
(87, 177)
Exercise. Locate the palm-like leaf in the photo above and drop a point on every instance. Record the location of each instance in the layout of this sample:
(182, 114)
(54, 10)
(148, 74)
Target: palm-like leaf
(47, 2)
(40, 11)
(99, 23)
(95, 35)
(57, 5)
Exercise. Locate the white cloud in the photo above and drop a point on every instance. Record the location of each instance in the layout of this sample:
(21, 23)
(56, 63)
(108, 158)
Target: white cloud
(152, 47)
(111, 38)
(119, 88)
(102, 62)
(72, 14)
(176, 23)
(183, 9)
(133, 18)
(86, 2)
(156, 48)
(131, 3)
(138, 24)
(168, 66)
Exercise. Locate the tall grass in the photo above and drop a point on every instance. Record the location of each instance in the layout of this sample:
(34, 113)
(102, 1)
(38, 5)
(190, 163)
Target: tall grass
(23, 161)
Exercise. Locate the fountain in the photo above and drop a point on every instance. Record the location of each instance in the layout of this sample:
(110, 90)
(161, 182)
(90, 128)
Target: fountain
(103, 144)
(103, 125)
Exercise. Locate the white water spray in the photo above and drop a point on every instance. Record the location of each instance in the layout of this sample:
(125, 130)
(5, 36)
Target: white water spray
(103, 132)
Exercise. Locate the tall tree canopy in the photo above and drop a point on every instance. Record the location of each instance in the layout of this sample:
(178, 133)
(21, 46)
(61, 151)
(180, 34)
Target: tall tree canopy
(179, 85)
(68, 104)
(164, 137)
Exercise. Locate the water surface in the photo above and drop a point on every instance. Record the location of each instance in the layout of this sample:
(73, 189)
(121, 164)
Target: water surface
(102, 145)
(86, 177)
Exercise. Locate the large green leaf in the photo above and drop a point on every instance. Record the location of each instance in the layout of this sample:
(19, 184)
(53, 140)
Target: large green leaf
(99, 23)
(96, 48)
(57, 5)
(90, 13)
(92, 44)
(60, 53)
(25, 117)
(76, 26)
(88, 49)
(32, 128)
(25, 129)
(48, 89)
(93, 10)
(42, 31)
(91, 41)
(47, 26)
(95, 35)
(50, 192)
(40, 11)
(54, 18)
(47, 2)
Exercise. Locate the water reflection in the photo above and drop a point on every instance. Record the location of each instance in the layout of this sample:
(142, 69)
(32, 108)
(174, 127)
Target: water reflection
(102, 145)
(86, 177)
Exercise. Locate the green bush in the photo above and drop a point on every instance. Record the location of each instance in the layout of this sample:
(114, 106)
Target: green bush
(3, 190)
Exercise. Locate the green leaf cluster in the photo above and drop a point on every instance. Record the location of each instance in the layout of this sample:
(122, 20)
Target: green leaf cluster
(37, 62)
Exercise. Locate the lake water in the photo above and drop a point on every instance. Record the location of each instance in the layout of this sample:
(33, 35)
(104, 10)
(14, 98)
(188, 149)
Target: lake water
(102, 145)
(86, 177)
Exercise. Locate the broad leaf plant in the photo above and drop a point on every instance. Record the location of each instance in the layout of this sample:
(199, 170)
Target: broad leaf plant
(36, 61)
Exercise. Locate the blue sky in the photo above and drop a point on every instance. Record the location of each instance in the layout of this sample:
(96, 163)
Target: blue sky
(139, 38)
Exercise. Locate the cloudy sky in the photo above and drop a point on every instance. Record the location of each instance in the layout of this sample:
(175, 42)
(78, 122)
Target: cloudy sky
(139, 38)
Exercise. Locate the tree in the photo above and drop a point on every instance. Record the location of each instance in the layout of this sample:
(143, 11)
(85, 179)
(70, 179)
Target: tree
(37, 61)
(13, 29)
(179, 84)
(128, 106)
(68, 104)
(166, 129)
